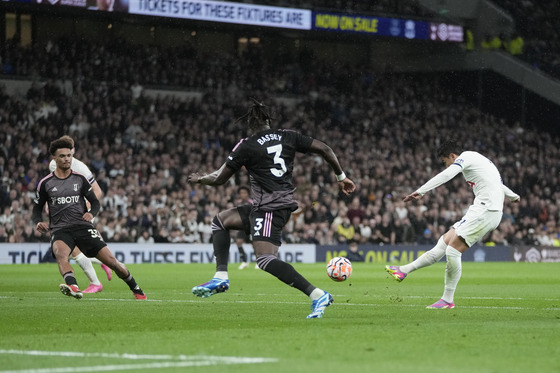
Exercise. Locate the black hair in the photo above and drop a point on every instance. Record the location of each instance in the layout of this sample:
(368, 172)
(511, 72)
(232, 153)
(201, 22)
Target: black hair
(61, 143)
(258, 116)
(447, 147)
(243, 187)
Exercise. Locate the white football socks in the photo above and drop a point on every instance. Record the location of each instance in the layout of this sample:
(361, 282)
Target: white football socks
(427, 259)
(453, 271)
(316, 294)
(85, 263)
(222, 275)
(95, 260)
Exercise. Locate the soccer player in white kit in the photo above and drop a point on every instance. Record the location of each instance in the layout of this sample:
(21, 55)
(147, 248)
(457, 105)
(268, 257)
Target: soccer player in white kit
(483, 216)
(83, 261)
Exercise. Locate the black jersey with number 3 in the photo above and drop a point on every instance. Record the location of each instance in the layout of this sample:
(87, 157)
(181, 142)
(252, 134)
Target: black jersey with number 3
(269, 156)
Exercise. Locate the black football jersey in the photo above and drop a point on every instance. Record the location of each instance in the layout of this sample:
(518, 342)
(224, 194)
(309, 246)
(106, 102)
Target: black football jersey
(269, 156)
(65, 198)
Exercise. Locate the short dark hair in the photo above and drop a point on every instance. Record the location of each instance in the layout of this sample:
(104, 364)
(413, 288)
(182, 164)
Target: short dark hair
(61, 143)
(68, 138)
(243, 187)
(447, 147)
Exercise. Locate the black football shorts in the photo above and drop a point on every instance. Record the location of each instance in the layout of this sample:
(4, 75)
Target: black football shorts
(88, 240)
(268, 225)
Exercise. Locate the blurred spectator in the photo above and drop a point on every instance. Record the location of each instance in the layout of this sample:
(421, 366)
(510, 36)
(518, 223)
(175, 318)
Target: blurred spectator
(491, 42)
(427, 238)
(345, 230)
(3, 234)
(162, 236)
(515, 45)
(353, 254)
(145, 237)
(469, 40)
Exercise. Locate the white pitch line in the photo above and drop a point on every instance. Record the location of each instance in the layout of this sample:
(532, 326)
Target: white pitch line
(392, 304)
(183, 361)
(380, 296)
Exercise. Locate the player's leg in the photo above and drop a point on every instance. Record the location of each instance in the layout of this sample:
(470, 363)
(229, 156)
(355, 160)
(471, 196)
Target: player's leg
(266, 231)
(106, 269)
(61, 251)
(222, 223)
(239, 241)
(476, 223)
(453, 268)
(85, 263)
(430, 257)
(106, 257)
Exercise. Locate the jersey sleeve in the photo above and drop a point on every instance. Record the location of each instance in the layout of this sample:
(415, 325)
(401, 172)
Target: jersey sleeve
(38, 203)
(81, 168)
(236, 158)
(303, 142)
(441, 178)
(509, 193)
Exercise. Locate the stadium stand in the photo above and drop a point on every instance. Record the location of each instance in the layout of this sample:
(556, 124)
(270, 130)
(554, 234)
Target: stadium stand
(537, 22)
(142, 148)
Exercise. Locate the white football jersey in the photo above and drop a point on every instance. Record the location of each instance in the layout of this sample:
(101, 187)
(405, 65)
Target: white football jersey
(482, 176)
(77, 166)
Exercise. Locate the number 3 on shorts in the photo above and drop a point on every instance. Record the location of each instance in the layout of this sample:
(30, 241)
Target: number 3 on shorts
(258, 226)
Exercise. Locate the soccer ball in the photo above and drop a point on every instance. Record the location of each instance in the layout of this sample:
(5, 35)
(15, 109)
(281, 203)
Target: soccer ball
(339, 269)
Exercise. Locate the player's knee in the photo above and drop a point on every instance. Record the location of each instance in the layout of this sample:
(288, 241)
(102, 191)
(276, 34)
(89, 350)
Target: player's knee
(217, 224)
(264, 259)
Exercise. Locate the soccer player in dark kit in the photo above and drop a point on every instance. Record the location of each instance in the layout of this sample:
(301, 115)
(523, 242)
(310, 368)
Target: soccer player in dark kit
(268, 155)
(70, 223)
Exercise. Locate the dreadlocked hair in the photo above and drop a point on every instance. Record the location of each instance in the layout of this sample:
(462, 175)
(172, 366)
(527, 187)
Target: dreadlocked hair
(258, 115)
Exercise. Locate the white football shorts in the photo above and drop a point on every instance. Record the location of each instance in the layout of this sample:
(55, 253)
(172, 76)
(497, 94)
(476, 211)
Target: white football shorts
(476, 223)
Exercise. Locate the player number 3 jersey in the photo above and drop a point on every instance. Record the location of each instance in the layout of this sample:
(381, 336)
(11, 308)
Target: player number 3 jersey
(269, 156)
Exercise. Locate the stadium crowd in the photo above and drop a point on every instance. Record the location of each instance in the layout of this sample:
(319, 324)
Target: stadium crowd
(384, 126)
(537, 22)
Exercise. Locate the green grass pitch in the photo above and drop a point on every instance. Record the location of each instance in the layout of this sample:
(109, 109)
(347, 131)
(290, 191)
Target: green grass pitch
(507, 319)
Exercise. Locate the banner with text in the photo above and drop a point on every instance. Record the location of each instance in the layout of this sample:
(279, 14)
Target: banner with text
(408, 253)
(380, 26)
(217, 11)
(130, 253)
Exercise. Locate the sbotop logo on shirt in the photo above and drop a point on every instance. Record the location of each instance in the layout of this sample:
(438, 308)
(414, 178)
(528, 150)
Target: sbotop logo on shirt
(65, 200)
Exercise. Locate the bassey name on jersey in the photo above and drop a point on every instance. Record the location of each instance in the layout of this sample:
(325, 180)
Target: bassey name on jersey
(270, 137)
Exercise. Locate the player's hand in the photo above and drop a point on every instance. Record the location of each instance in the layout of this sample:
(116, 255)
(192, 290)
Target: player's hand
(87, 216)
(412, 196)
(347, 186)
(42, 227)
(194, 178)
(516, 200)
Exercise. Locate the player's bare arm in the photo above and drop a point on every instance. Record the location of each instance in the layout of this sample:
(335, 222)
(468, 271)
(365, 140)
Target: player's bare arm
(346, 185)
(217, 177)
